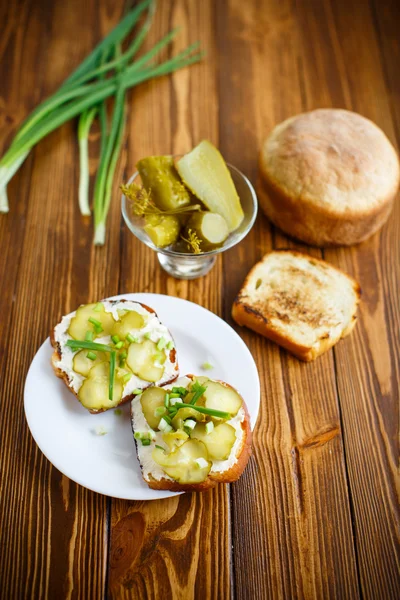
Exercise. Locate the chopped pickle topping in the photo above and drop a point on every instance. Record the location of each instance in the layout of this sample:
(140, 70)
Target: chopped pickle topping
(85, 317)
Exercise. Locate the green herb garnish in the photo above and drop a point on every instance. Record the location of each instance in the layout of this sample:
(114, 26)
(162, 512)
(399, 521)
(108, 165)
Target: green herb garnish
(137, 391)
(89, 336)
(160, 411)
(147, 335)
(160, 447)
(98, 307)
(127, 377)
(166, 400)
(206, 411)
(96, 324)
(146, 442)
(131, 339)
(91, 355)
(207, 366)
(119, 345)
(198, 391)
(115, 339)
(162, 342)
(112, 372)
(85, 345)
(170, 345)
(179, 390)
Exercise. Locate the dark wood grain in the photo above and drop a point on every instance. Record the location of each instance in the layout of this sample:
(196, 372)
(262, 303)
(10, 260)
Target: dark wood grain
(316, 513)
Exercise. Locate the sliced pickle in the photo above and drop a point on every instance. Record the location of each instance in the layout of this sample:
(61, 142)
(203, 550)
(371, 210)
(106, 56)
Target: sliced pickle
(187, 413)
(151, 399)
(160, 178)
(93, 394)
(222, 398)
(80, 324)
(164, 230)
(219, 442)
(205, 173)
(141, 360)
(82, 364)
(210, 228)
(129, 323)
(181, 464)
(174, 439)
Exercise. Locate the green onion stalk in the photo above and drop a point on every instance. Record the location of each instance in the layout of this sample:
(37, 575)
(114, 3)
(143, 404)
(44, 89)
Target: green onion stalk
(85, 93)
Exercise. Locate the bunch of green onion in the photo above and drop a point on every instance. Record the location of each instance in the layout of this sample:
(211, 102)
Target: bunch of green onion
(107, 71)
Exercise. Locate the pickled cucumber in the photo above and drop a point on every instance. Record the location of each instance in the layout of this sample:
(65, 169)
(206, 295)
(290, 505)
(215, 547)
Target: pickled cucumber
(80, 323)
(205, 173)
(174, 439)
(219, 442)
(93, 394)
(221, 397)
(129, 323)
(150, 400)
(181, 464)
(141, 360)
(163, 230)
(186, 413)
(160, 178)
(82, 364)
(210, 228)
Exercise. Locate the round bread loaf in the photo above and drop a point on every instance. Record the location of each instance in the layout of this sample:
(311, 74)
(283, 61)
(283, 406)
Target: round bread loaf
(328, 177)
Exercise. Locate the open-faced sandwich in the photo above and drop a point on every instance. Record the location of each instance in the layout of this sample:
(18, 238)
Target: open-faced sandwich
(112, 350)
(191, 434)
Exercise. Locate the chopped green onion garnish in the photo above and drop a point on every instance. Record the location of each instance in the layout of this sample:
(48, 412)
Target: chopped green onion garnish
(89, 336)
(159, 411)
(160, 447)
(173, 395)
(158, 356)
(137, 391)
(209, 427)
(168, 419)
(166, 400)
(99, 430)
(117, 412)
(201, 463)
(115, 339)
(189, 424)
(127, 377)
(119, 345)
(137, 435)
(147, 335)
(121, 363)
(172, 412)
(206, 411)
(164, 425)
(179, 390)
(98, 307)
(207, 366)
(198, 392)
(91, 355)
(112, 371)
(162, 342)
(131, 338)
(146, 442)
(170, 345)
(97, 325)
(83, 344)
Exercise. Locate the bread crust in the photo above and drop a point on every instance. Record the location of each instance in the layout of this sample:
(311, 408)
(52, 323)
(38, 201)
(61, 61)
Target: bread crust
(56, 357)
(228, 476)
(245, 315)
(315, 177)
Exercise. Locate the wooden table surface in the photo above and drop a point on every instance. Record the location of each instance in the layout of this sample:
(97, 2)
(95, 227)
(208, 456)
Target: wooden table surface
(315, 514)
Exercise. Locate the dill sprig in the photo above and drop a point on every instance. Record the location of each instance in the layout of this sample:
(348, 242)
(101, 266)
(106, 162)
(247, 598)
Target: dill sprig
(143, 204)
(192, 241)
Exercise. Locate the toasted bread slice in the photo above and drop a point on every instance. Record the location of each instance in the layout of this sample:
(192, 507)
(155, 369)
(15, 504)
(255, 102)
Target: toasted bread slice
(62, 358)
(225, 471)
(302, 303)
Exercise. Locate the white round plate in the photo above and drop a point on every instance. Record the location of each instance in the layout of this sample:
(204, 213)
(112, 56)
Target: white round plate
(65, 431)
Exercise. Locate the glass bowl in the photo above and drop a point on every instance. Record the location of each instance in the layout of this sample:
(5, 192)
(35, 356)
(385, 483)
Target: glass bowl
(190, 266)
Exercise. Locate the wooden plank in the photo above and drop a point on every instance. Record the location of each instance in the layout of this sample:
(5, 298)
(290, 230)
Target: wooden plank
(178, 547)
(54, 532)
(291, 509)
(368, 364)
